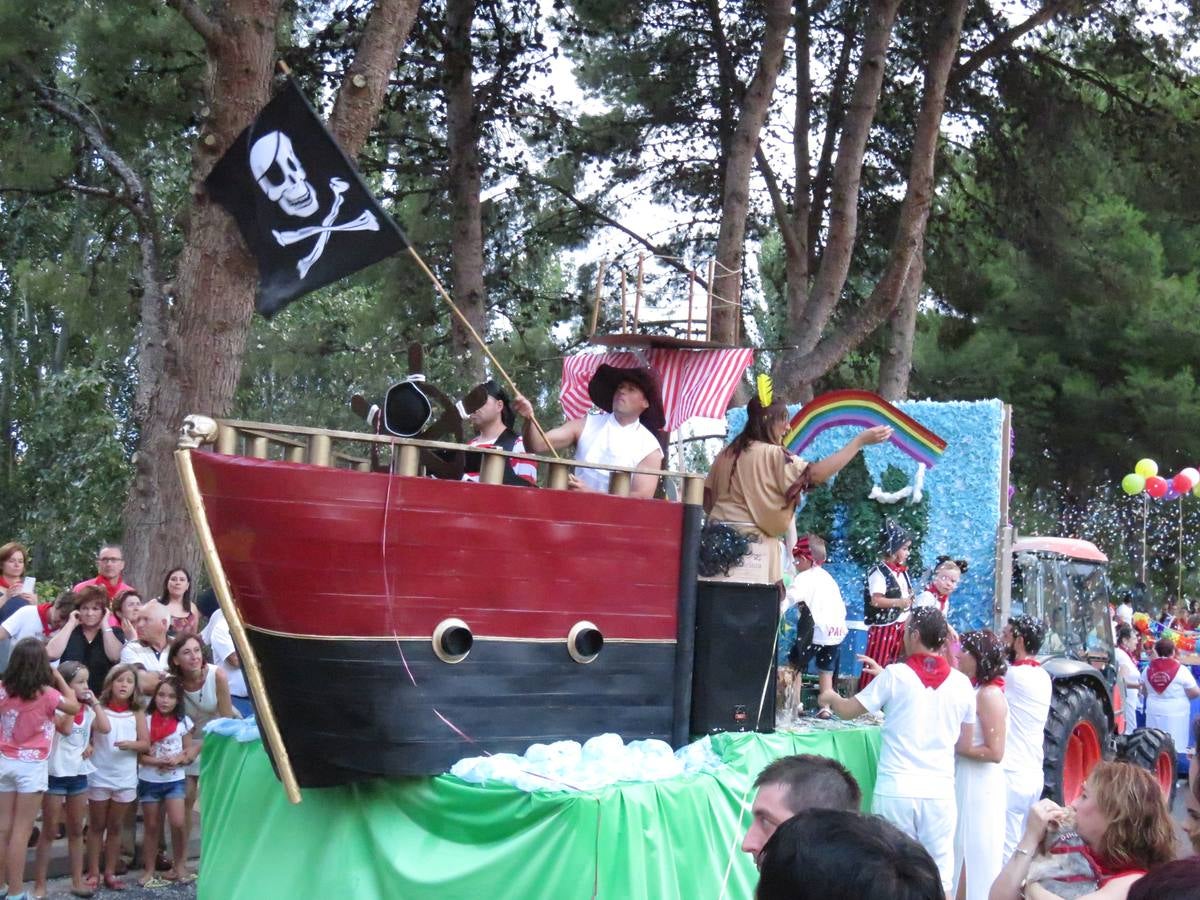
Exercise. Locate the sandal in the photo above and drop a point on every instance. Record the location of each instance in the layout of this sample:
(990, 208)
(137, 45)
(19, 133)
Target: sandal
(188, 878)
(114, 884)
(154, 882)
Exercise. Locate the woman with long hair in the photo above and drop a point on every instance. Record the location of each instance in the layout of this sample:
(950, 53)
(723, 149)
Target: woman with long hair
(176, 596)
(755, 483)
(1124, 829)
(978, 779)
(205, 690)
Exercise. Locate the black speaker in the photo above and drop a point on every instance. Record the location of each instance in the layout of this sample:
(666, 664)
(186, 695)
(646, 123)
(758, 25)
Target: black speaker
(735, 657)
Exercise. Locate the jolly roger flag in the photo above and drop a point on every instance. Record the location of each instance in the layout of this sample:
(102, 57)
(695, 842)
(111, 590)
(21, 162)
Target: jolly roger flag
(299, 202)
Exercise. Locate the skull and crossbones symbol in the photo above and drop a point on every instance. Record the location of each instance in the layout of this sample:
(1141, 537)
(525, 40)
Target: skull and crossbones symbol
(278, 171)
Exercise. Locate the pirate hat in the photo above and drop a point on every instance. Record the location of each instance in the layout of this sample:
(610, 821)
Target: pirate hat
(608, 378)
(406, 409)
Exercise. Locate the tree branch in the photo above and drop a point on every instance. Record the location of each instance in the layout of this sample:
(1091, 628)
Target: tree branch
(914, 211)
(847, 174)
(200, 21)
(1003, 42)
(365, 84)
(782, 217)
(663, 252)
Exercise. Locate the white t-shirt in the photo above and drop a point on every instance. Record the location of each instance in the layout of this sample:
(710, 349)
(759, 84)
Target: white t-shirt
(115, 769)
(878, 584)
(171, 745)
(604, 441)
(66, 755)
(216, 635)
(817, 590)
(136, 652)
(1175, 696)
(1028, 690)
(25, 622)
(920, 728)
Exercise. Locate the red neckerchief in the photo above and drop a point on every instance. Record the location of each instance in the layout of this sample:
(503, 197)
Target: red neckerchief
(996, 682)
(44, 614)
(1161, 673)
(932, 670)
(79, 715)
(161, 726)
(4, 583)
(1105, 872)
(109, 587)
(895, 567)
(118, 707)
(1027, 661)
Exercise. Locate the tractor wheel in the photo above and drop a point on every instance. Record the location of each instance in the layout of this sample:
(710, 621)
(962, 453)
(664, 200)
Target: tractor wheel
(1154, 750)
(1076, 730)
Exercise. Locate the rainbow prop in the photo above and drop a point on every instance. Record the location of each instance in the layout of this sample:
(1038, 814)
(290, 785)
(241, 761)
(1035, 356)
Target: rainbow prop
(866, 409)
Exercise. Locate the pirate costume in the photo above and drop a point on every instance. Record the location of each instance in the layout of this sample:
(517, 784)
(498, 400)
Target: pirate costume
(885, 625)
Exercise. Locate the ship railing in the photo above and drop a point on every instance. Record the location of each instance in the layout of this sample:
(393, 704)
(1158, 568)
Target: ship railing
(324, 447)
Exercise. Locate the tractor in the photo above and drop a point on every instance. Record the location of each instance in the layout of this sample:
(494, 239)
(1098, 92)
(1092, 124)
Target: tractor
(1064, 582)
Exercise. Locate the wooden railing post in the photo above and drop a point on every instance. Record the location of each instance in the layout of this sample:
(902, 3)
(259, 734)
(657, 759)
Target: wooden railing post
(320, 450)
(492, 469)
(619, 483)
(410, 459)
(227, 440)
(557, 480)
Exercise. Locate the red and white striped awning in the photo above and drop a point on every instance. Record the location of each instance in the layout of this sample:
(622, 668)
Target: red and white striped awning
(693, 382)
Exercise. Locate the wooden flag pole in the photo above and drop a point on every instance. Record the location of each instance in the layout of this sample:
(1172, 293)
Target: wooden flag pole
(475, 334)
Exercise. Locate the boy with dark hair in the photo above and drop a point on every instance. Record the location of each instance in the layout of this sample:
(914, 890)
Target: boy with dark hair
(839, 855)
(928, 707)
(1028, 690)
(821, 615)
(794, 783)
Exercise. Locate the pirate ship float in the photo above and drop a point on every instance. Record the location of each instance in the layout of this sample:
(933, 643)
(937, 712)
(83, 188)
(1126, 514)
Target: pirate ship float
(390, 621)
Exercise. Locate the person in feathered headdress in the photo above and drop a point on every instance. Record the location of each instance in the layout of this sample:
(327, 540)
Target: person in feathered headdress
(755, 483)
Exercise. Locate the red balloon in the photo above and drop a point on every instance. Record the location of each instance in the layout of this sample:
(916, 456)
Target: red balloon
(1181, 483)
(1156, 486)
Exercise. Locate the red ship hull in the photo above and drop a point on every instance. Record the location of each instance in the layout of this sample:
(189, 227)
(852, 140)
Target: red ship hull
(342, 577)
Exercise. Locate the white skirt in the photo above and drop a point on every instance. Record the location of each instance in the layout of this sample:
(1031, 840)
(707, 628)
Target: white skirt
(979, 836)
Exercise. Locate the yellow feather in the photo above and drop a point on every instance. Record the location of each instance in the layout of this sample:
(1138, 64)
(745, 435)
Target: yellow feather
(765, 390)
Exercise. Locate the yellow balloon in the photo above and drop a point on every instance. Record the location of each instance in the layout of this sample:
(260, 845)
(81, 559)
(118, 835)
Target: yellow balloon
(1147, 468)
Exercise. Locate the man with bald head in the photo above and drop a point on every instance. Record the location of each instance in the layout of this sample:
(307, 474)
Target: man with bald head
(149, 651)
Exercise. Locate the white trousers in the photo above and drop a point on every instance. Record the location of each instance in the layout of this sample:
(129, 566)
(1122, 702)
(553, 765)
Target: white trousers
(930, 822)
(979, 837)
(1023, 790)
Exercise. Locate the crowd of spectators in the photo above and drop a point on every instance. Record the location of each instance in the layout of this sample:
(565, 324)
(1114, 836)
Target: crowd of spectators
(103, 702)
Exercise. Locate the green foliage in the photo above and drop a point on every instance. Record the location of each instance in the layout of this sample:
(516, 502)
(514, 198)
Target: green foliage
(817, 515)
(71, 477)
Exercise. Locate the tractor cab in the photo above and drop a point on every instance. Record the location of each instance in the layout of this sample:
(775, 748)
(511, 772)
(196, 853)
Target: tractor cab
(1064, 582)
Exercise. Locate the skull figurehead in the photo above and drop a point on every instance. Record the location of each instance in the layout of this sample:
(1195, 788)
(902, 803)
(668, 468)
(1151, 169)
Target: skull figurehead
(279, 173)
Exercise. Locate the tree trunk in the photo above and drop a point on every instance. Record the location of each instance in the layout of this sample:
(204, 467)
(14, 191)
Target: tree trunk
(466, 218)
(213, 290)
(896, 364)
(735, 202)
(812, 353)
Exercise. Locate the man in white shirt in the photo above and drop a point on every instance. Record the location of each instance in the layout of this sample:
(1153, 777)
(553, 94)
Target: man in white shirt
(216, 635)
(39, 621)
(1029, 690)
(150, 650)
(928, 707)
(628, 433)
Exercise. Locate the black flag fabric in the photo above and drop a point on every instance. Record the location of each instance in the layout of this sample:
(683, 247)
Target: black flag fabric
(300, 204)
